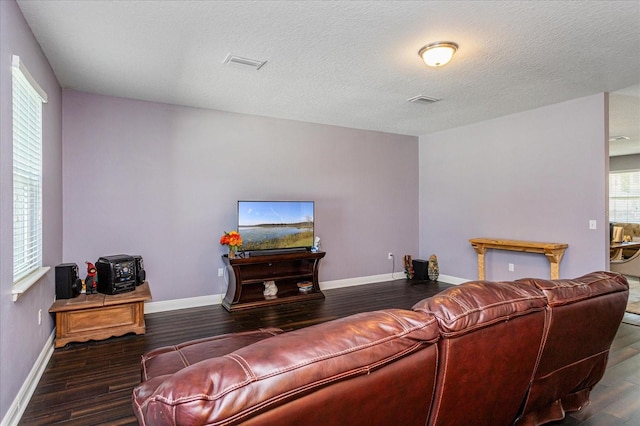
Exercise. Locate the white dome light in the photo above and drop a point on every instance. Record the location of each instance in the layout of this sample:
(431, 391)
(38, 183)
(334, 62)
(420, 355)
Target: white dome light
(439, 53)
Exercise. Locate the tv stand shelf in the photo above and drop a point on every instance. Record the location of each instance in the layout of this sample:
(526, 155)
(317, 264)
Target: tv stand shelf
(247, 277)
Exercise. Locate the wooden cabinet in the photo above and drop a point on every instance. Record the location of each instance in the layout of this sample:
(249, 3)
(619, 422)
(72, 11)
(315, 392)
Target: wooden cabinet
(100, 316)
(248, 275)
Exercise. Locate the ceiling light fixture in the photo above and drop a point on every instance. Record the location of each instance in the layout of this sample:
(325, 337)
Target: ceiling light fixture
(439, 53)
(618, 138)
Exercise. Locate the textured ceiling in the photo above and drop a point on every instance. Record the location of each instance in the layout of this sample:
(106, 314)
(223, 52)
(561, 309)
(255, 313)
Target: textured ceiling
(349, 63)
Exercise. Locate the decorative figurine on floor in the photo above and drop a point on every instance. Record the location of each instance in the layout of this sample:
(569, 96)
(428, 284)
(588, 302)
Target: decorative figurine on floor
(408, 267)
(432, 268)
(91, 282)
(270, 289)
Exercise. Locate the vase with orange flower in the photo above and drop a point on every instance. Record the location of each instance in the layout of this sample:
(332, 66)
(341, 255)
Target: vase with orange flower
(233, 240)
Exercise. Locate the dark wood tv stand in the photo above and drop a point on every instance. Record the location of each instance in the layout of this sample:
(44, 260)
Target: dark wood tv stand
(247, 277)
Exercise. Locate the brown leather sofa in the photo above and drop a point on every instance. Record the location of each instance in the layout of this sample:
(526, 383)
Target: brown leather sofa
(481, 353)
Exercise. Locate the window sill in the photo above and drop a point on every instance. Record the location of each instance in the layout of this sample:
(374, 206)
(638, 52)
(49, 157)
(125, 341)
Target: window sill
(25, 284)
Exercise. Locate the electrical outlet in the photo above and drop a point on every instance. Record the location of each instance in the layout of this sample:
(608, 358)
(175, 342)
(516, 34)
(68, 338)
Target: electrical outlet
(39, 316)
(592, 224)
(511, 267)
(390, 256)
(220, 272)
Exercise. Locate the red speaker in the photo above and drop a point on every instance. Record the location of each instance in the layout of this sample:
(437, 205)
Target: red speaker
(68, 283)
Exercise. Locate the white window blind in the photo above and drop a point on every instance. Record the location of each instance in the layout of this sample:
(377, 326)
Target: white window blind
(624, 196)
(28, 97)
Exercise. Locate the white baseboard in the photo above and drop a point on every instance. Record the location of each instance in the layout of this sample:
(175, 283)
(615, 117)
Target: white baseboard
(216, 299)
(19, 404)
(189, 302)
(452, 280)
(350, 282)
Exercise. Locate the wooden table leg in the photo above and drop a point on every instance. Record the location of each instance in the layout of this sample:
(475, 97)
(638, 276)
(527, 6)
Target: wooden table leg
(481, 250)
(554, 257)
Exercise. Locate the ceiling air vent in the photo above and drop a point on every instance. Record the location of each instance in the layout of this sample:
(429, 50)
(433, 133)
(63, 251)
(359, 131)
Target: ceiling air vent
(421, 99)
(246, 63)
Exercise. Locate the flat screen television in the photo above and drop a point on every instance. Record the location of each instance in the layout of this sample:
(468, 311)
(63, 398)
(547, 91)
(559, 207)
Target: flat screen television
(268, 226)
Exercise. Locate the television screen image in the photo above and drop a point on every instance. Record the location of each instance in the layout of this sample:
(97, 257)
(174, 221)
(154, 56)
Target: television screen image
(276, 225)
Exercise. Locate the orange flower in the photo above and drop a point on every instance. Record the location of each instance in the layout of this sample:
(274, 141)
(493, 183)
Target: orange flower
(231, 239)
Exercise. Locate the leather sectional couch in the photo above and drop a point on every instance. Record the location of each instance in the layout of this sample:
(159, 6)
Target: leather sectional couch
(481, 353)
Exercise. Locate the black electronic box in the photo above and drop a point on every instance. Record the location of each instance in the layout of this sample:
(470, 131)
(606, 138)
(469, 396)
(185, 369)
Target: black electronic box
(420, 269)
(68, 284)
(116, 274)
(141, 274)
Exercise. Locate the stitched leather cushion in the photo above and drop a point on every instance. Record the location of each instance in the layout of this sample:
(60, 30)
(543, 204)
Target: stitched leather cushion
(562, 292)
(477, 304)
(169, 359)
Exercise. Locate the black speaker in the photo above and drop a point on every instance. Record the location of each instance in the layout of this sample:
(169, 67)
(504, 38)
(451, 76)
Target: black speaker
(141, 274)
(420, 268)
(68, 283)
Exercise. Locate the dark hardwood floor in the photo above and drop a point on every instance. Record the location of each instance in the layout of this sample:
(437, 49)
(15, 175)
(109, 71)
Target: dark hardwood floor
(91, 383)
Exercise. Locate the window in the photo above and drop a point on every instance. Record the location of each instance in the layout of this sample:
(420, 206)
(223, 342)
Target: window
(624, 196)
(27, 97)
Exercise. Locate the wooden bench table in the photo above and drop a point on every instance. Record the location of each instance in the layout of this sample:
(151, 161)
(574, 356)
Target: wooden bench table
(553, 251)
(100, 316)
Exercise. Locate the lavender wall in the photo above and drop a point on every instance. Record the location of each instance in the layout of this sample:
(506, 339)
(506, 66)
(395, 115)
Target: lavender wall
(163, 181)
(539, 175)
(21, 338)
